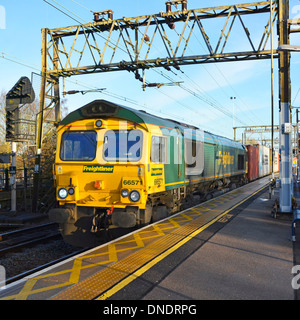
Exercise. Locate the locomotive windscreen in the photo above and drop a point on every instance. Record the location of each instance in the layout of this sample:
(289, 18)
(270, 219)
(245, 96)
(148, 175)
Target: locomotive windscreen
(78, 146)
(122, 145)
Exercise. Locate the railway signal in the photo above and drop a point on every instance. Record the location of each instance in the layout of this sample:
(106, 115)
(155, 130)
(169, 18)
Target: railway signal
(21, 93)
(10, 125)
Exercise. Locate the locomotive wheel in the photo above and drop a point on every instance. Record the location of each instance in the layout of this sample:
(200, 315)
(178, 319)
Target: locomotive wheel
(145, 215)
(159, 212)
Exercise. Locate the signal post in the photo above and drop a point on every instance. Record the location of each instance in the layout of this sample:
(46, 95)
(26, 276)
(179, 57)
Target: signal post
(20, 94)
(286, 181)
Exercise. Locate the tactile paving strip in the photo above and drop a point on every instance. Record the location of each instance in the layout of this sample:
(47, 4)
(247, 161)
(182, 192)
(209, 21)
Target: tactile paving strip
(91, 287)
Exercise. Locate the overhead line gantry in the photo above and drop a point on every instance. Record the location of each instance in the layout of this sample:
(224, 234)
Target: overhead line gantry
(136, 36)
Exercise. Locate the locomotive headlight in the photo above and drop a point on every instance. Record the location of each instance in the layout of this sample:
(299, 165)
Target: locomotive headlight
(124, 193)
(62, 193)
(71, 191)
(98, 123)
(134, 196)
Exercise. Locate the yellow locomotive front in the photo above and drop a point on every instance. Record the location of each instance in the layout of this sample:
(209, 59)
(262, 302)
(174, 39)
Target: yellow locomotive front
(100, 172)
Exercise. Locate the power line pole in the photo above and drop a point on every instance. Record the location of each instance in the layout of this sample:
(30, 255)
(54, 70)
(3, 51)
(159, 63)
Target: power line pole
(233, 98)
(297, 142)
(272, 90)
(40, 121)
(286, 189)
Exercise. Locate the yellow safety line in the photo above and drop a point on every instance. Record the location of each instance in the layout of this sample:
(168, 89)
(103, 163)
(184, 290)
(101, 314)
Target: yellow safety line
(74, 276)
(160, 257)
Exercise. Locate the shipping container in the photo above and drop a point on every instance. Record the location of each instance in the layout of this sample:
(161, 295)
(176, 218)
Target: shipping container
(264, 167)
(276, 162)
(253, 154)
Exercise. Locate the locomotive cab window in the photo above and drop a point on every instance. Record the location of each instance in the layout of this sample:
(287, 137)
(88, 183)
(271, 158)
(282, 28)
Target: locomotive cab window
(158, 149)
(194, 156)
(78, 146)
(241, 162)
(122, 145)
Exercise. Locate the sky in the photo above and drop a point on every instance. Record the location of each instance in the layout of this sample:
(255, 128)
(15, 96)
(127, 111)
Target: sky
(205, 89)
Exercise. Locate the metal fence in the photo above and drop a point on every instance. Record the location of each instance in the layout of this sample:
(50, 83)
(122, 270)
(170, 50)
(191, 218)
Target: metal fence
(24, 184)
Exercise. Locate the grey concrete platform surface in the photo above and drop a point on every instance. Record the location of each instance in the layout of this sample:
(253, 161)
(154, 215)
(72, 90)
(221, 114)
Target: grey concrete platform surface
(251, 257)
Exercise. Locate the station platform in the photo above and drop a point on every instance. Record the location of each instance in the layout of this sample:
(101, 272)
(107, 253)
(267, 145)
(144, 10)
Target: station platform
(229, 248)
(251, 258)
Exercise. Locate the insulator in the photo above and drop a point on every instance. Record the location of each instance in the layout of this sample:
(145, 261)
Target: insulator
(171, 25)
(72, 92)
(152, 84)
(96, 17)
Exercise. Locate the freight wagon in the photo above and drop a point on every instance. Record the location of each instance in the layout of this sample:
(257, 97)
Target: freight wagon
(264, 165)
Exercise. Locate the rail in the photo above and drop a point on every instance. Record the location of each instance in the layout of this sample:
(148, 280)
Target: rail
(18, 239)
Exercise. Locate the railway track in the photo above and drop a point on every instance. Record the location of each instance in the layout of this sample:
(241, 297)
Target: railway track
(18, 239)
(41, 267)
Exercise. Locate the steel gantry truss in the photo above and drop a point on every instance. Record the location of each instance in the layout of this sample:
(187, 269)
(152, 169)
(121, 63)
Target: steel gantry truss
(162, 40)
(261, 130)
(131, 43)
(256, 129)
(150, 41)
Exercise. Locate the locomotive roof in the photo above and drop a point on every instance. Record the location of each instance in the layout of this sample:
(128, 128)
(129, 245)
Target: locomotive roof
(104, 109)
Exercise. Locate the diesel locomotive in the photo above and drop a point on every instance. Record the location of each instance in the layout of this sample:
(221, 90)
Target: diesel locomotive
(120, 166)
